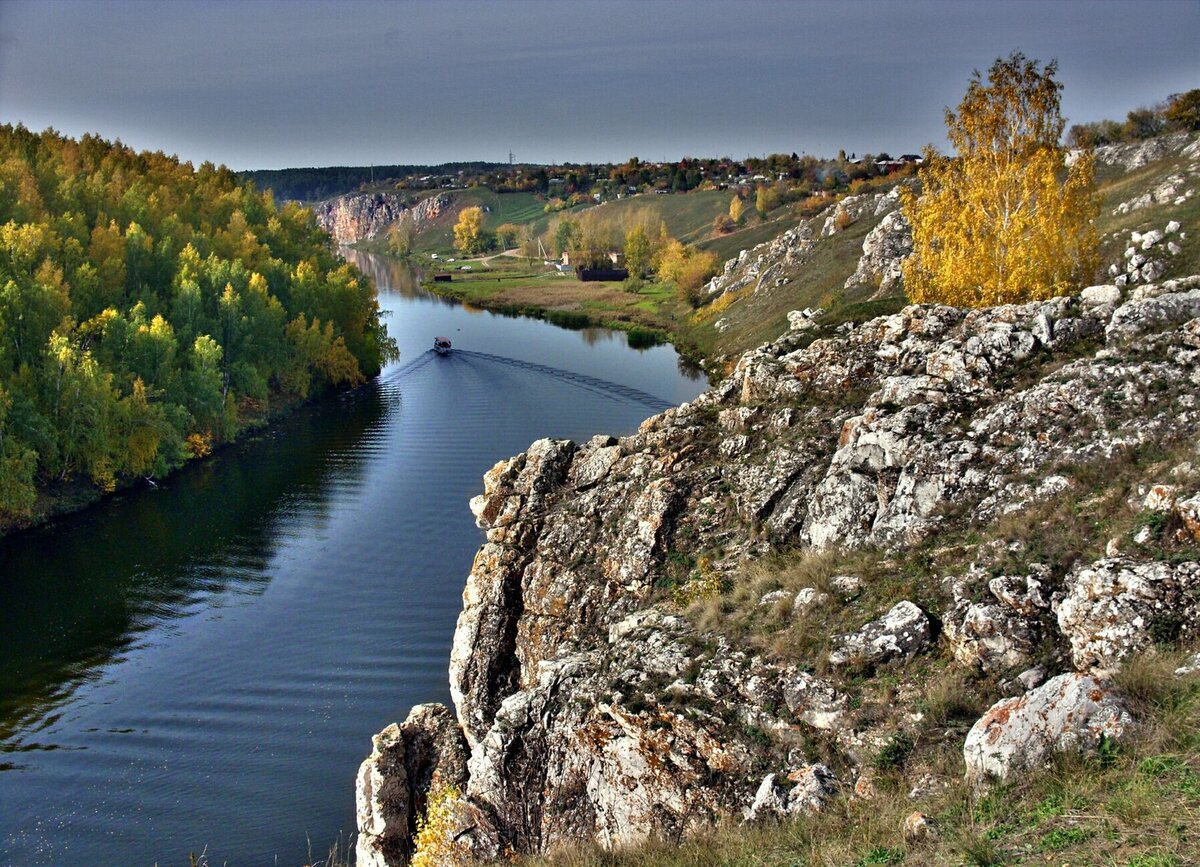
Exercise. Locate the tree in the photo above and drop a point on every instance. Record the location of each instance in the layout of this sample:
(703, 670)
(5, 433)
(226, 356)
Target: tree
(469, 235)
(723, 224)
(1143, 123)
(996, 224)
(566, 236)
(766, 200)
(506, 235)
(688, 268)
(400, 235)
(1183, 110)
(736, 209)
(638, 251)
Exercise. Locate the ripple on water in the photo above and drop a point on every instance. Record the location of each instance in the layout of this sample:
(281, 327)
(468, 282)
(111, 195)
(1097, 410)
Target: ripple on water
(205, 664)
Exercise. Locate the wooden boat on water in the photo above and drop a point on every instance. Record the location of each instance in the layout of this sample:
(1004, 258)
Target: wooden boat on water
(441, 345)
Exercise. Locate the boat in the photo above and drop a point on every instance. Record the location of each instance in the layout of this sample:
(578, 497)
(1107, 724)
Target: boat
(441, 345)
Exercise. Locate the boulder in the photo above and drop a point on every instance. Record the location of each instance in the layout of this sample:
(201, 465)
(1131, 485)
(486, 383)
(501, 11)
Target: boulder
(1148, 314)
(811, 788)
(1073, 712)
(1113, 607)
(991, 637)
(900, 634)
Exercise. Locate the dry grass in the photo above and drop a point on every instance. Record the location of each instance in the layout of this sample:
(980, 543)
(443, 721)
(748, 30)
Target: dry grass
(1137, 806)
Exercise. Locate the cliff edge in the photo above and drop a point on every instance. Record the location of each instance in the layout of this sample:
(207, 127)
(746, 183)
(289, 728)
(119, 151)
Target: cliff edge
(619, 674)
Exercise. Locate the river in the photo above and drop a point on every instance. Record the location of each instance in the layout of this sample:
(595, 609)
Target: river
(199, 668)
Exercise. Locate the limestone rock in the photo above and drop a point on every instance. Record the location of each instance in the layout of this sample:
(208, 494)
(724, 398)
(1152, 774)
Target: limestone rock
(596, 713)
(1116, 606)
(1069, 712)
(812, 787)
(991, 637)
(367, 216)
(918, 827)
(814, 701)
(1139, 316)
(884, 250)
(901, 633)
(394, 780)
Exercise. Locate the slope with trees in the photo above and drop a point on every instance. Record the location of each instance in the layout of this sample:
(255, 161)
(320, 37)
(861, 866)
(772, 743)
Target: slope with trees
(150, 311)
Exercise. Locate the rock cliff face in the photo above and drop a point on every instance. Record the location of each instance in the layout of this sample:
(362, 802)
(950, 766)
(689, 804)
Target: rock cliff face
(773, 263)
(592, 708)
(367, 216)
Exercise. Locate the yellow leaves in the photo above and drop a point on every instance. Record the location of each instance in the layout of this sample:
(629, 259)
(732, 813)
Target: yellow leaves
(1004, 221)
(468, 231)
(736, 209)
(199, 445)
(686, 267)
(435, 844)
(320, 351)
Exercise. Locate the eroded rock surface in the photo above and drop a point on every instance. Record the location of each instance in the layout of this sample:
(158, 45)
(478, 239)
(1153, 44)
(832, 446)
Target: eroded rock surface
(594, 710)
(366, 216)
(1073, 712)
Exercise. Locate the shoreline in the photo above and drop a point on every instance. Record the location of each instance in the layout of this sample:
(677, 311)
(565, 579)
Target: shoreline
(640, 335)
(76, 496)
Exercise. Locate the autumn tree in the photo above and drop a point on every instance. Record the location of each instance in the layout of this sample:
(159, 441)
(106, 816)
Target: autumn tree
(736, 209)
(1004, 220)
(469, 235)
(687, 267)
(506, 235)
(766, 199)
(1182, 111)
(145, 311)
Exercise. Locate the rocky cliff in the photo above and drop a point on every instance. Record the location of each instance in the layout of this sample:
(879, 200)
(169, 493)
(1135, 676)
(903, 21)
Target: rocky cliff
(665, 629)
(367, 216)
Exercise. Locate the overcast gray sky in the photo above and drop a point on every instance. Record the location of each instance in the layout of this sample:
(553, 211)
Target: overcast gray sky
(279, 83)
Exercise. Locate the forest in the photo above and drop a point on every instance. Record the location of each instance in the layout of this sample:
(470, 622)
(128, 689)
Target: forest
(150, 311)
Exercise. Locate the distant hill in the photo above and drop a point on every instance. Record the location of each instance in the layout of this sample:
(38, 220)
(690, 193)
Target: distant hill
(315, 184)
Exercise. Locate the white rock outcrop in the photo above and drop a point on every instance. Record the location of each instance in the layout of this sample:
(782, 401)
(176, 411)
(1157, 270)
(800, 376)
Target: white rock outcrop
(1073, 712)
(1114, 607)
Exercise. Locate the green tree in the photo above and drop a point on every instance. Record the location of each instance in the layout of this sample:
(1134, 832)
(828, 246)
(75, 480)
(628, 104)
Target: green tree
(566, 236)
(400, 235)
(17, 465)
(1004, 221)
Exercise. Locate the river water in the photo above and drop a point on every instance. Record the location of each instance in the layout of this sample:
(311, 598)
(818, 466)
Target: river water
(199, 668)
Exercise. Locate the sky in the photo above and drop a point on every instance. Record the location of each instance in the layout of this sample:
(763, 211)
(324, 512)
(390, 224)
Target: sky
(284, 83)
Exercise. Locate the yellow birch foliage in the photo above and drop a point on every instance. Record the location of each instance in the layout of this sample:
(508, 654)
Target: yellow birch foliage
(468, 231)
(1005, 221)
(435, 843)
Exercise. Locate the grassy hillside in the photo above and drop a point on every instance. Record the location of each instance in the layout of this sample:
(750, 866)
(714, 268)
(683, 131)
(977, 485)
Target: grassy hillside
(817, 281)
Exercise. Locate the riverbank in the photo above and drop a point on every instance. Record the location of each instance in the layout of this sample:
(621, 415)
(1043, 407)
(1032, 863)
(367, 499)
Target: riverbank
(650, 312)
(60, 498)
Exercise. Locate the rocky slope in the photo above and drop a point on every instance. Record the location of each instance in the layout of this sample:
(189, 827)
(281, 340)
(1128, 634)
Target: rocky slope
(596, 701)
(366, 216)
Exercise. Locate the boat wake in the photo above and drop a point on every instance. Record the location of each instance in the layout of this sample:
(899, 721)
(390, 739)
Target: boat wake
(613, 390)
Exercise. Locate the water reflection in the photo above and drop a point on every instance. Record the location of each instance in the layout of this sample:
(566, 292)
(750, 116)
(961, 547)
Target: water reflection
(205, 664)
(213, 529)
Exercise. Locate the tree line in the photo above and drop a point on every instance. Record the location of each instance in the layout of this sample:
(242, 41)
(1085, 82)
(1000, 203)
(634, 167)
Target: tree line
(150, 311)
(1179, 112)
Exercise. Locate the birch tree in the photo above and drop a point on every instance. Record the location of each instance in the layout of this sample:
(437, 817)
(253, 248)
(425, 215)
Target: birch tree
(1004, 220)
